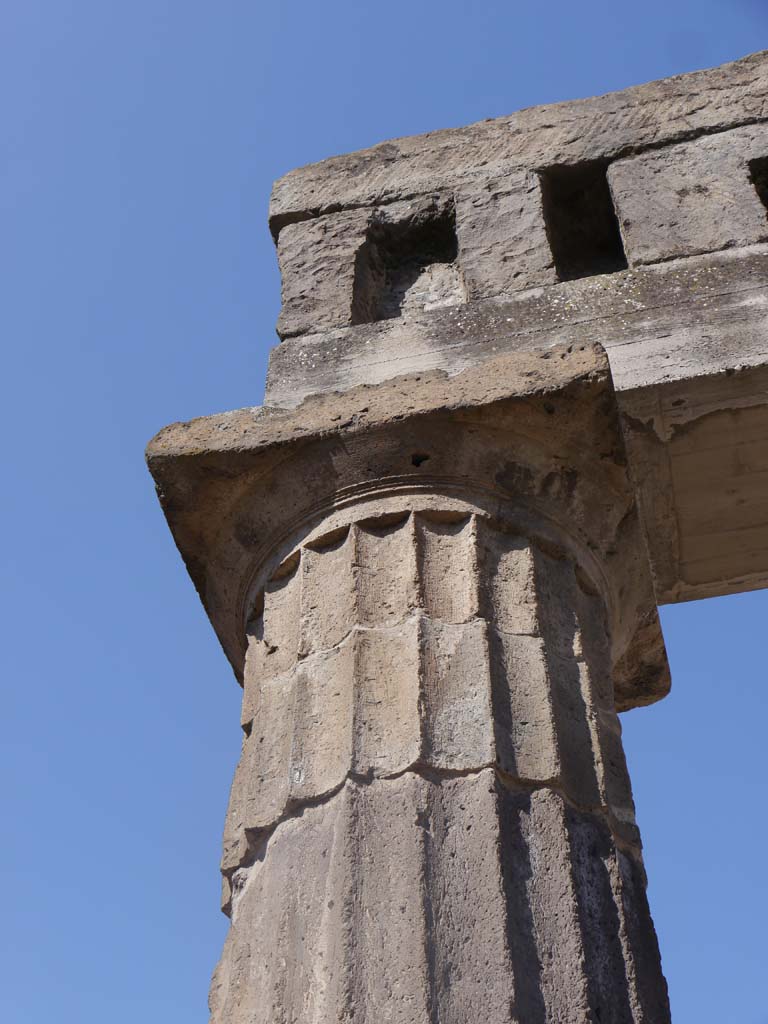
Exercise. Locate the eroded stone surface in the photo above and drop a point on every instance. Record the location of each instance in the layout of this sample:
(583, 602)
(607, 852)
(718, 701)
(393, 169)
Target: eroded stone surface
(502, 237)
(692, 198)
(428, 898)
(363, 266)
(510, 197)
(317, 261)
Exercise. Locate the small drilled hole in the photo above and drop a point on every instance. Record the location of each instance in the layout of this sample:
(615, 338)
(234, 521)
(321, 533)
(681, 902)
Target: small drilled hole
(418, 458)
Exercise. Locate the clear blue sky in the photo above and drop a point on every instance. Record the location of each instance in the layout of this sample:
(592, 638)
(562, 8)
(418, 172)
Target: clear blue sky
(139, 285)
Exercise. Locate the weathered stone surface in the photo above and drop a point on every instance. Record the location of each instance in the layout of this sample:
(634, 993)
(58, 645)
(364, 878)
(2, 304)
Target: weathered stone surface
(602, 128)
(673, 202)
(362, 266)
(693, 198)
(511, 668)
(340, 269)
(425, 898)
(502, 239)
(680, 321)
(317, 266)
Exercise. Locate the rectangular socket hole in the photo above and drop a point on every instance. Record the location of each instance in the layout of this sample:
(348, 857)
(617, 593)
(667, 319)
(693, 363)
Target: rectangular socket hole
(758, 175)
(407, 265)
(581, 222)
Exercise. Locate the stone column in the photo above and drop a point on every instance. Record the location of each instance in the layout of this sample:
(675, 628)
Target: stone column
(444, 600)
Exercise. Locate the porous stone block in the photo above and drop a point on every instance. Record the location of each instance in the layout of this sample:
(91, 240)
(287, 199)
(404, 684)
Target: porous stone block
(503, 244)
(692, 198)
(317, 265)
(361, 266)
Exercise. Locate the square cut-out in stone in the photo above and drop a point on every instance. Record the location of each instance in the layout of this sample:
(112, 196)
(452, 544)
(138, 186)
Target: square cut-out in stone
(758, 175)
(407, 266)
(581, 222)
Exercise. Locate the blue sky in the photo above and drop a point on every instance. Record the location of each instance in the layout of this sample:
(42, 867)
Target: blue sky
(140, 141)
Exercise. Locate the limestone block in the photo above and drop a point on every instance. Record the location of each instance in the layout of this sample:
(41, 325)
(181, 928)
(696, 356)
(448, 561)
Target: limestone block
(695, 197)
(321, 732)
(273, 635)
(360, 266)
(367, 265)
(503, 243)
(387, 727)
(508, 583)
(525, 733)
(328, 592)
(260, 787)
(387, 581)
(317, 266)
(280, 620)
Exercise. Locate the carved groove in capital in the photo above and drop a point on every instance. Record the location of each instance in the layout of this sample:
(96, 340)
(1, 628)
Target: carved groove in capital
(532, 517)
(431, 642)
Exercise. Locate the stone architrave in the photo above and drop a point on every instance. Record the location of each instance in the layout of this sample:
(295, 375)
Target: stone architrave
(437, 596)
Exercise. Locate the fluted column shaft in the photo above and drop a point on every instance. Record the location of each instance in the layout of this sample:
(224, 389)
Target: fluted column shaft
(431, 820)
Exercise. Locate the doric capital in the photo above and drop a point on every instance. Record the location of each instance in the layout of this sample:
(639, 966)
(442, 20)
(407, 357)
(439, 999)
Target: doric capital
(529, 442)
